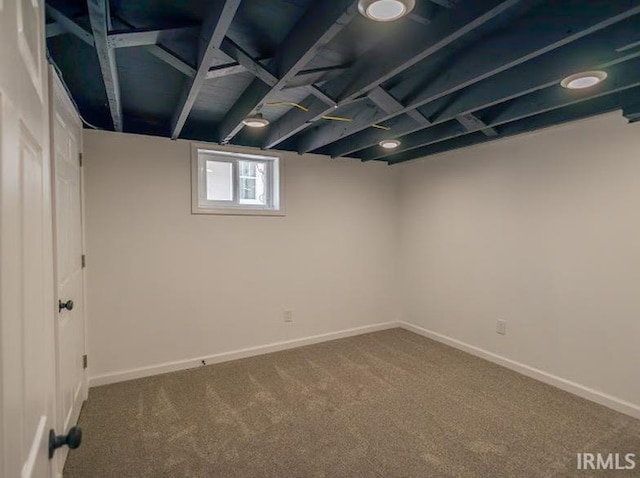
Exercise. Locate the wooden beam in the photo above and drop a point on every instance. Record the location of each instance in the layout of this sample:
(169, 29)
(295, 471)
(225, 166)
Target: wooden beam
(629, 46)
(412, 45)
(514, 50)
(322, 96)
(419, 18)
(416, 43)
(552, 118)
(423, 13)
(623, 78)
(391, 105)
(383, 100)
(213, 32)
(523, 42)
(227, 69)
(316, 75)
(445, 3)
(171, 59)
(594, 52)
(632, 112)
(54, 29)
(99, 17)
(320, 23)
(69, 25)
(471, 122)
(141, 36)
(235, 51)
(303, 78)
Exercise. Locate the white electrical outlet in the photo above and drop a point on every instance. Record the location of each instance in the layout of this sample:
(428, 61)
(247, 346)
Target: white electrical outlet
(288, 316)
(501, 327)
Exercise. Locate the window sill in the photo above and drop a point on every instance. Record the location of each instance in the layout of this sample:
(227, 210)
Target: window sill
(237, 212)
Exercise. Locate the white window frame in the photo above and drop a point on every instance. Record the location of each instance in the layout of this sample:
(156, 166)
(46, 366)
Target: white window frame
(275, 183)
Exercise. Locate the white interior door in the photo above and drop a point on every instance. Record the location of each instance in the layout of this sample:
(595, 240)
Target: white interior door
(70, 339)
(27, 397)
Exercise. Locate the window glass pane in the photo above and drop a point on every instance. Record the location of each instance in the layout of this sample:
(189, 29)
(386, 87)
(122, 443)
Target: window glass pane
(247, 188)
(228, 182)
(247, 169)
(219, 181)
(253, 182)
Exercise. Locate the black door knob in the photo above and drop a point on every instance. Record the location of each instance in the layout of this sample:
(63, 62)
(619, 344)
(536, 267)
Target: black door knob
(65, 305)
(73, 439)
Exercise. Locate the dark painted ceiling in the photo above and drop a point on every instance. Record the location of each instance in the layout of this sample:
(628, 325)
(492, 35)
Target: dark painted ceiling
(451, 74)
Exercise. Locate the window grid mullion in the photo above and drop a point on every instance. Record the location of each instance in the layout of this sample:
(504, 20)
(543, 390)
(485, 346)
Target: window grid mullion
(236, 182)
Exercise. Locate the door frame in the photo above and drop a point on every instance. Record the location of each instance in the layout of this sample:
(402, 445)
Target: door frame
(58, 90)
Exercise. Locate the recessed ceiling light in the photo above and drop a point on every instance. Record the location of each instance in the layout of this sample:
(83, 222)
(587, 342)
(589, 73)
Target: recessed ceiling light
(389, 143)
(255, 121)
(385, 10)
(585, 79)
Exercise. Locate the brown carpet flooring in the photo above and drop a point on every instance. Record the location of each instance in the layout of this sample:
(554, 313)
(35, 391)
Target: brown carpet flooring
(387, 404)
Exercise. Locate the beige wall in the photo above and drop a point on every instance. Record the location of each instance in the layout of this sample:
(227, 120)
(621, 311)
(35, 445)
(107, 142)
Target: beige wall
(542, 231)
(165, 285)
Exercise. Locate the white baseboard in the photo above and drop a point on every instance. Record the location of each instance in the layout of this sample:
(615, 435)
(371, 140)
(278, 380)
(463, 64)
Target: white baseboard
(596, 396)
(561, 383)
(141, 372)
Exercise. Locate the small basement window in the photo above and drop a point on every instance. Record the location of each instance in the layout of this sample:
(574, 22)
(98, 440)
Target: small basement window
(235, 183)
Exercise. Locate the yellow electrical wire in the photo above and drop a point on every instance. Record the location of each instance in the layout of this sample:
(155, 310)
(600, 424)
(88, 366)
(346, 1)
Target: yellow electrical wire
(337, 118)
(287, 103)
(326, 117)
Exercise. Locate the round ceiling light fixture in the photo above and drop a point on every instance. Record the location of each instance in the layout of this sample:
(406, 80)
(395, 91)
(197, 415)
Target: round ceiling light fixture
(586, 79)
(389, 143)
(385, 10)
(255, 121)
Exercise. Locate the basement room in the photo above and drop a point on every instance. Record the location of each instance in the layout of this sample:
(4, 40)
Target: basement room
(319, 238)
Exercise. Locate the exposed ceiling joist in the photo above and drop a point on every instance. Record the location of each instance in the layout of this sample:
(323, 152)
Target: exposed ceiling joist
(227, 69)
(389, 104)
(235, 52)
(422, 13)
(628, 46)
(437, 133)
(100, 21)
(419, 18)
(593, 52)
(365, 118)
(303, 78)
(535, 104)
(54, 29)
(398, 126)
(415, 43)
(529, 40)
(478, 68)
(66, 24)
(148, 40)
(322, 96)
(471, 122)
(316, 28)
(503, 54)
(213, 32)
(171, 59)
(575, 112)
(141, 36)
(632, 112)
(384, 100)
(315, 75)
(445, 3)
